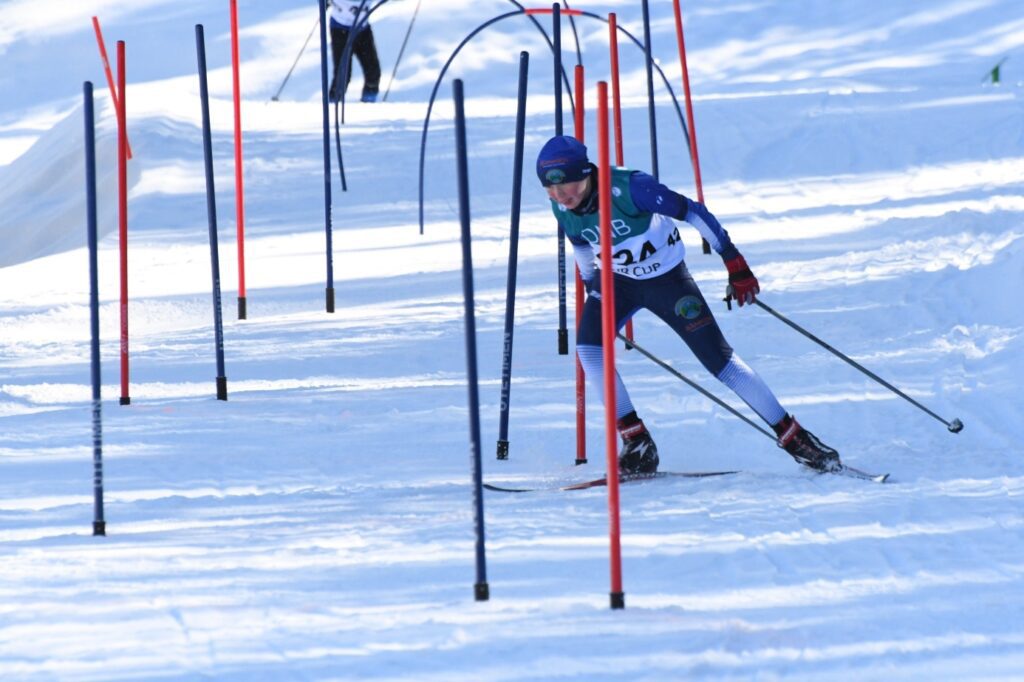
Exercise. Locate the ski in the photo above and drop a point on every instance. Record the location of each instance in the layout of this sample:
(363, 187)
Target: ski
(603, 480)
(845, 470)
(851, 472)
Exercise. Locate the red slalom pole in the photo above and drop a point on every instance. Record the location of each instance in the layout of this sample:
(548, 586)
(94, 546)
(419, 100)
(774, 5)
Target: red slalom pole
(578, 120)
(581, 383)
(694, 157)
(604, 194)
(122, 196)
(239, 192)
(106, 68)
(613, 48)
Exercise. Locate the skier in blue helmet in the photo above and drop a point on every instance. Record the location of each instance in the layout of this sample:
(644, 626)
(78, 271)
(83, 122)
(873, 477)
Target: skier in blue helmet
(650, 272)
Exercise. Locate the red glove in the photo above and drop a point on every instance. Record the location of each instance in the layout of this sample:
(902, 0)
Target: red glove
(742, 283)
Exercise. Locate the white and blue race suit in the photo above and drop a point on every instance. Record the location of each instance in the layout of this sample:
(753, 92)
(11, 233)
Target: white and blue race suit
(650, 273)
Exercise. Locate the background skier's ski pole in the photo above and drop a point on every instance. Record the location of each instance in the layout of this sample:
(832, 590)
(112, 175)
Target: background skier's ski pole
(297, 58)
(401, 51)
(954, 426)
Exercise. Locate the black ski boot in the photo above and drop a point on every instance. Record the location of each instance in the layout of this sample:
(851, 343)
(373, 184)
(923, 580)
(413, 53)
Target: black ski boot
(804, 446)
(639, 454)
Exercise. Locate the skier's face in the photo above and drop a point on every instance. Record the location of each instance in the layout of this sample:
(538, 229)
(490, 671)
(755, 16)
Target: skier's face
(569, 194)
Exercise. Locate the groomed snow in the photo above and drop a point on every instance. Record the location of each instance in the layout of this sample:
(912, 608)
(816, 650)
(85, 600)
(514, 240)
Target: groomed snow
(319, 524)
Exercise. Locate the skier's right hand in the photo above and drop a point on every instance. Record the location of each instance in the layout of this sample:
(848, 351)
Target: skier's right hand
(743, 286)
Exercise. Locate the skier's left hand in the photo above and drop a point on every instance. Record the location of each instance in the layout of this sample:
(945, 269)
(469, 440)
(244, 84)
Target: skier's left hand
(743, 286)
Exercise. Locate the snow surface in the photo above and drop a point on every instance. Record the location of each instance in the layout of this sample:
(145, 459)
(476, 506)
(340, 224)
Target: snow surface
(319, 524)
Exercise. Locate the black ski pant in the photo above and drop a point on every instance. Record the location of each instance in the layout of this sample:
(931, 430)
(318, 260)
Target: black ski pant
(365, 51)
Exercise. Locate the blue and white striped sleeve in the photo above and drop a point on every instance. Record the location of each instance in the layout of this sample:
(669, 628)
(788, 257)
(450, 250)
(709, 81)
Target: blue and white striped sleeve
(707, 224)
(650, 195)
(584, 256)
(582, 250)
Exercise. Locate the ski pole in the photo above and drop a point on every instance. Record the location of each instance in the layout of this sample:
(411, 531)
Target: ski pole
(694, 385)
(297, 58)
(401, 51)
(954, 426)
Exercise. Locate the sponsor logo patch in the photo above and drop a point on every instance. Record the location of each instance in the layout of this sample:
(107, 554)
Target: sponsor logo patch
(556, 176)
(689, 307)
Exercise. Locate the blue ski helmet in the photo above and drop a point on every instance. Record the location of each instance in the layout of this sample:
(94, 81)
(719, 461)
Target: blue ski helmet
(562, 159)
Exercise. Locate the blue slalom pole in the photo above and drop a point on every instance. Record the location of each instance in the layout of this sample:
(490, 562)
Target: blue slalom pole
(211, 214)
(444, 70)
(648, 61)
(565, 79)
(341, 78)
(337, 147)
(99, 525)
(513, 256)
(575, 35)
(343, 75)
(480, 590)
(327, 157)
(556, 36)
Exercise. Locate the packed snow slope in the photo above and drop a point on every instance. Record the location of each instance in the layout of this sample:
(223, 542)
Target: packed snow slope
(318, 525)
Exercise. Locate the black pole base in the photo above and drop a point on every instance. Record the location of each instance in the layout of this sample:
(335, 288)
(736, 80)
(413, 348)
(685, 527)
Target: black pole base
(222, 388)
(481, 592)
(502, 449)
(627, 345)
(563, 341)
(705, 247)
(241, 307)
(618, 600)
(330, 299)
(99, 527)
(125, 400)
(581, 460)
